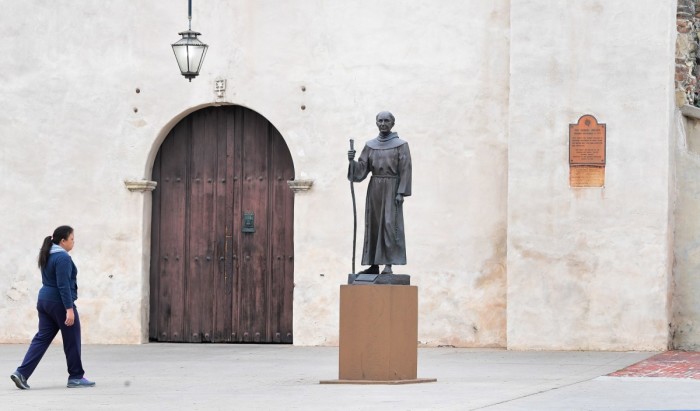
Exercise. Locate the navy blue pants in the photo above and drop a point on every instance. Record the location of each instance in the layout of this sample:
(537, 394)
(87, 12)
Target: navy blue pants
(52, 317)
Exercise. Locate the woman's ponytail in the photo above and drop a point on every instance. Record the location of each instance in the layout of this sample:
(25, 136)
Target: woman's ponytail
(44, 252)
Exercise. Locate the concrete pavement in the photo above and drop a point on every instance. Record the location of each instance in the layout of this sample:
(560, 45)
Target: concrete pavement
(283, 377)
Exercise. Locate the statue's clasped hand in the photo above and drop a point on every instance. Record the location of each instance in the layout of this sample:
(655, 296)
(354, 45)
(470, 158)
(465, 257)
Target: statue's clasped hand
(399, 199)
(351, 155)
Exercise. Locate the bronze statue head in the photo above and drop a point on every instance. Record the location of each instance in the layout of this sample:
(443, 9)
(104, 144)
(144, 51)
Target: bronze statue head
(385, 122)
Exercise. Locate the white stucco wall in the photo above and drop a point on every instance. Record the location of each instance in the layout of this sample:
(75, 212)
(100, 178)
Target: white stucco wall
(483, 91)
(590, 268)
(71, 136)
(686, 310)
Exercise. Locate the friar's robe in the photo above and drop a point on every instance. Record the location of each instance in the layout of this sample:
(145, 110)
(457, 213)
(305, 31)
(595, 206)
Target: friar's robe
(389, 161)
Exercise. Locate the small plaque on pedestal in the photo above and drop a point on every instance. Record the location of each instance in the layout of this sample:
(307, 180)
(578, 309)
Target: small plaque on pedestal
(387, 279)
(362, 278)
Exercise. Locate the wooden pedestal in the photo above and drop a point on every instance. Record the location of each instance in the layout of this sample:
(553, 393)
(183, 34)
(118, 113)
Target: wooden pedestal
(378, 334)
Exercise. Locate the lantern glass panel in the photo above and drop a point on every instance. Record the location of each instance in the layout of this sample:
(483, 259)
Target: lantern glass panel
(181, 57)
(196, 57)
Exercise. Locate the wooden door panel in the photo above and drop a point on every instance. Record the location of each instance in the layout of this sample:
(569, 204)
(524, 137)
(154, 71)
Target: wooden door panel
(171, 267)
(154, 282)
(281, 219)
(201, 218)
(223, 277)
(209, 280)
(234, 223)
(254, 193)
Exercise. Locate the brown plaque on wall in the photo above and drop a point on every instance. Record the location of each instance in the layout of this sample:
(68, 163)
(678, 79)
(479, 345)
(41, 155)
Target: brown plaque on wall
(587, 153)
(587, 176)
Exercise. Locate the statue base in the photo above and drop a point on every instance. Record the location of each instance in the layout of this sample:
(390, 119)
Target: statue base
(374, 382)
(378, 335)
(385, 279)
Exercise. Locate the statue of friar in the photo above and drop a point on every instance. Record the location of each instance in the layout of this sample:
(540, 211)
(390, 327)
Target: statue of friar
(388, 159)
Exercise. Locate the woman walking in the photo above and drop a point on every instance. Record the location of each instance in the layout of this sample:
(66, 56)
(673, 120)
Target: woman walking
(56, 310)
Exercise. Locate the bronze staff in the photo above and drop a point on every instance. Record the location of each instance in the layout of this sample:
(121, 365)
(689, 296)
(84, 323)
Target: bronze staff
(354, 210)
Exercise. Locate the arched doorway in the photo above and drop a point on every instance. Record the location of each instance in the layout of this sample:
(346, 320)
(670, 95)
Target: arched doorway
(222, 264)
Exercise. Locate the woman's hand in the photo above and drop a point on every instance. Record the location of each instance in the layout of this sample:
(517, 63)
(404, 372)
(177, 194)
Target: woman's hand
(70, 317)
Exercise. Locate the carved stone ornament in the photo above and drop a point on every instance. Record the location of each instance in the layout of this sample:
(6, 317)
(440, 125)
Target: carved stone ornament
(300, 186)
(140, 185)
(220, 88)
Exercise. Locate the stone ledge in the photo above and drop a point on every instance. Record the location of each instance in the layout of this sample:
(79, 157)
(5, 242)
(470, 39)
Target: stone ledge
(300, 186)
(140, 186)
(690, 111)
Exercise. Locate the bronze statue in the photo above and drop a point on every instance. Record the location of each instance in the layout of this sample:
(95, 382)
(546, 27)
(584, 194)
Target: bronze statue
(388, 159)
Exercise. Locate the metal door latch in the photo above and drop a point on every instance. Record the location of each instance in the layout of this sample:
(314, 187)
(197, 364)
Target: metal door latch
(248, 222)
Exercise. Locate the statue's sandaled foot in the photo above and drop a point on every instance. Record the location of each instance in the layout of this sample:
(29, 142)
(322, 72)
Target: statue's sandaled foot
(373, 269)
(387, 269)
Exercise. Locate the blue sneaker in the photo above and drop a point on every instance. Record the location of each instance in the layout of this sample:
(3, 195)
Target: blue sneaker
(83, 382)
(19, 380)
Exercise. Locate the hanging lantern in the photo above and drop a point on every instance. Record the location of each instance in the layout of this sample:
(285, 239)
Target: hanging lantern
(189, 50)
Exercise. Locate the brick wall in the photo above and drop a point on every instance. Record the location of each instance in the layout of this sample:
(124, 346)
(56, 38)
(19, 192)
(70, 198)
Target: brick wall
(687, 70)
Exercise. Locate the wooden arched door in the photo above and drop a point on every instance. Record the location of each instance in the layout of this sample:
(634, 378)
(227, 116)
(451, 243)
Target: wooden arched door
(222, 252)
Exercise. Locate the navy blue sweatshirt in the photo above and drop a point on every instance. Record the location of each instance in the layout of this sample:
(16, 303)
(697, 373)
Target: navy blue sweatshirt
(59, 279)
